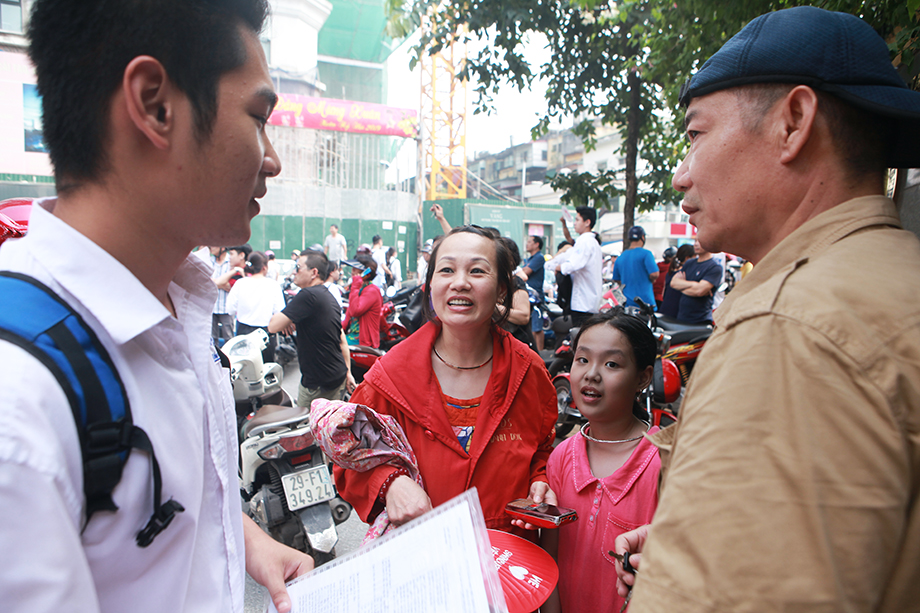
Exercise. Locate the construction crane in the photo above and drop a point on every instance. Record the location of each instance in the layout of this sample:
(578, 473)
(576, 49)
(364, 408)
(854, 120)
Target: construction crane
(442, 146)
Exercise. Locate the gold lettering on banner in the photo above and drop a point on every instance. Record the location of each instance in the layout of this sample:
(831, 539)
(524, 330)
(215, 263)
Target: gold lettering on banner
(286, 104)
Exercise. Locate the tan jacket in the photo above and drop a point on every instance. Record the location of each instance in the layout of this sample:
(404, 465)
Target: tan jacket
(794, 470)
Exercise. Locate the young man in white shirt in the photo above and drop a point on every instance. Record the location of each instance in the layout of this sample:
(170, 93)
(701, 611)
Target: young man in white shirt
(154, 115)
(583, 263)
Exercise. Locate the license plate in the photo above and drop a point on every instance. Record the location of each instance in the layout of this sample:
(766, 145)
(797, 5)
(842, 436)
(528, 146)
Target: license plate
(308, 487)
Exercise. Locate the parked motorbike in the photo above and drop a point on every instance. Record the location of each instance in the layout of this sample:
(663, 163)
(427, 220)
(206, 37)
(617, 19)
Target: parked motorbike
(285, 478)
(255, 384)
(685, 341)
(362, 358)
(391, 331)
(286, 482)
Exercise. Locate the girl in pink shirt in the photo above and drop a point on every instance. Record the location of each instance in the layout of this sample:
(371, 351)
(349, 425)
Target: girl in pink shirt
(608, 472)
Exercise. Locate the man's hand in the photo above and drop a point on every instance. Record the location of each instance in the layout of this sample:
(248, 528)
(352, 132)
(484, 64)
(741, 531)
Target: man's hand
(272, 564)
(350, 383)
(439, 215)
(539, 492)
(631, 542)
(406, 500)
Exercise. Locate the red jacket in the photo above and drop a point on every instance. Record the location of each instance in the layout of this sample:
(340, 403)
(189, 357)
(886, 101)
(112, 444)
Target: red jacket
(511, 443)
(364, 305)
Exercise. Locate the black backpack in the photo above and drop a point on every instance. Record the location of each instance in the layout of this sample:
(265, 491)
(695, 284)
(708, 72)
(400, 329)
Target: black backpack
(33, 317)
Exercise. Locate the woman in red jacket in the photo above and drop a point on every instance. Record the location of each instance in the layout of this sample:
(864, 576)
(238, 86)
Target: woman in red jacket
(365, 303)
(476, 405)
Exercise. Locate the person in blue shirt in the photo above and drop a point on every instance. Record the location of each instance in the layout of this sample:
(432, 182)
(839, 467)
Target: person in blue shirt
(635, 270)
(533, 268)
(697, 282)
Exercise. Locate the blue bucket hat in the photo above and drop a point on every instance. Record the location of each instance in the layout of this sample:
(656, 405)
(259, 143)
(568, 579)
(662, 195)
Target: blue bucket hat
(837, 53)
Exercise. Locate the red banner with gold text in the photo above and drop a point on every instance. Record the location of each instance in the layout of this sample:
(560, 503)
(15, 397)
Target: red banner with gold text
(344, 116)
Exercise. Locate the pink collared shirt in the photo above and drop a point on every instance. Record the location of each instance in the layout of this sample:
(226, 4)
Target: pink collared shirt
(606, 508)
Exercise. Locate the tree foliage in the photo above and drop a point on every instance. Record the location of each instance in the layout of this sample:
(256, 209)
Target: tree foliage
(622, 62)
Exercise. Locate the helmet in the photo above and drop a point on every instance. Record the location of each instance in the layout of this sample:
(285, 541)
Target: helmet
(669, 253)
(14, 217)
(636, 233)
(364, 248)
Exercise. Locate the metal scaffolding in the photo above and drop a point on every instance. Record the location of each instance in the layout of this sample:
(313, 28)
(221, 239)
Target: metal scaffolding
(443, 122)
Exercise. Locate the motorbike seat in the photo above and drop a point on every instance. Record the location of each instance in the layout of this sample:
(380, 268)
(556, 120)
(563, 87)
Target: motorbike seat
(274, 415)
(691, 335)
(672, 325)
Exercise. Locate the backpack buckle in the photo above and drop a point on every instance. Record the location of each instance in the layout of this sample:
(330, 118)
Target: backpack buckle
(159, 521)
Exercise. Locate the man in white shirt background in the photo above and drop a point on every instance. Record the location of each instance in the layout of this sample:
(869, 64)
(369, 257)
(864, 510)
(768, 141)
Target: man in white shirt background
(583, 263)
(335, 246)
(379, 253)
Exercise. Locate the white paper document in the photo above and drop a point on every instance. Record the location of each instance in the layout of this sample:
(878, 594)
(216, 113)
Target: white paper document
(439, 563)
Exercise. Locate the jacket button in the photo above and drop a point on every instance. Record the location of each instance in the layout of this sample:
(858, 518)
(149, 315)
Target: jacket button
(429, 434)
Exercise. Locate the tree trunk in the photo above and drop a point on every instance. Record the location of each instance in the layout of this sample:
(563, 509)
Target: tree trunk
(633, 121)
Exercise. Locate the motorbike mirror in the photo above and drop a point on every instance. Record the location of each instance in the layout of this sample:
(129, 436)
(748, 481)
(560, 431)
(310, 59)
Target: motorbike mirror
(391, 291)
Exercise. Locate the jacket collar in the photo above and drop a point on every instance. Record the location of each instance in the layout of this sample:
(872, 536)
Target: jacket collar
(410, 362)
(757, 293)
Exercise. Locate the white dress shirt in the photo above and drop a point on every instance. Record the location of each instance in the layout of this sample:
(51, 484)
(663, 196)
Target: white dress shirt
(336, 292)
(583, 263)
(253, 300)
(178, 394)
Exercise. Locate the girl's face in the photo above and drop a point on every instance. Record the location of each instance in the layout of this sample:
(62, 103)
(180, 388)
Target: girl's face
(605, 379)
(464, 286)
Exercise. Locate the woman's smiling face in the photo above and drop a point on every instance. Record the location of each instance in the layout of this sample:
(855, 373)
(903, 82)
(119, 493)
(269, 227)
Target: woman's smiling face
(464, 287)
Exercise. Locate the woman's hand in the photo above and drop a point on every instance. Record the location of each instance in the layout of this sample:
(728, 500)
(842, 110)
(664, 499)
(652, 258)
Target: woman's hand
(406, 500)
(539, 492)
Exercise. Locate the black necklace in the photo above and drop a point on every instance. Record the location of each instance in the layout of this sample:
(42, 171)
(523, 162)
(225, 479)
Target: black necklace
(454, 366)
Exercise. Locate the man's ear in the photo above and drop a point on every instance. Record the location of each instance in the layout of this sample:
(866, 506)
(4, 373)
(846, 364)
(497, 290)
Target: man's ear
(797, 115)
(149, 98)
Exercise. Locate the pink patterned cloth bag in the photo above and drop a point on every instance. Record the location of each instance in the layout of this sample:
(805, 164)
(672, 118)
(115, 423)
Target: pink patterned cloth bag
(356, 437)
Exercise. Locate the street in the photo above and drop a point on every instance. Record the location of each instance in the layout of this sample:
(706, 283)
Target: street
(350, 532)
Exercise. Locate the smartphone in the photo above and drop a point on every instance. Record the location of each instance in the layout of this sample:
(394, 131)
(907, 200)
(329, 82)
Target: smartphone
(539, 513)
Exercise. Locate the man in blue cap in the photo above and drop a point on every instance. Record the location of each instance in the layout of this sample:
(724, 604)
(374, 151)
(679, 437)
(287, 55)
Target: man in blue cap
(791, 481)
(636, 269)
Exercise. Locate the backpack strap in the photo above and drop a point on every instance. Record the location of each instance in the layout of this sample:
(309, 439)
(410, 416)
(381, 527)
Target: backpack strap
(33, 317)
